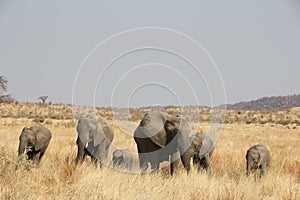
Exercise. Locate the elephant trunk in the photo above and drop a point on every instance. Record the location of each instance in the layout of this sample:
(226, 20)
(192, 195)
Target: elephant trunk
(248, 168)
(81, 151)
(21, 147)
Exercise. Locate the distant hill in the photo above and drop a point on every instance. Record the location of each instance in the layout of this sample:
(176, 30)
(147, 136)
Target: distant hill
(268, 103)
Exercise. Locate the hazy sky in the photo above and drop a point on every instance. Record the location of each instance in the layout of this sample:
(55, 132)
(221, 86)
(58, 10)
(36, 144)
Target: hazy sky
(255, 44)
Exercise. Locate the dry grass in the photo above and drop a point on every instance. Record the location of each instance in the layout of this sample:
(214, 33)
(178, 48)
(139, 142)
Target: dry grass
(290, 118)
(56, 177)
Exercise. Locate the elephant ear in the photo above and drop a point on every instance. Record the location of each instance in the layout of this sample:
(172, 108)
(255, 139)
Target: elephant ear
(42, 137)
(176, 123)
(171, 127)
(178, 131)
(260, 158)
(172, 122)
(153, 128)
(24, 133)
(207, 147)
(99, 135)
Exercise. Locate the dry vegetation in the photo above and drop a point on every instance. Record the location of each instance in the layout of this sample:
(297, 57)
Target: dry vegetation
(290, 117)
(56, 177)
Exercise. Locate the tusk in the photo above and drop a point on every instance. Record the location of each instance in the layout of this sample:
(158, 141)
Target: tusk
(86, 145)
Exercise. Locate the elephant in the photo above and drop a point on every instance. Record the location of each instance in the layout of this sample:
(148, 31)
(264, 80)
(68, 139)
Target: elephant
(95, 136)
(201, 158)
(122, 158)
(258, 157)
(160, 137)
(35, 141)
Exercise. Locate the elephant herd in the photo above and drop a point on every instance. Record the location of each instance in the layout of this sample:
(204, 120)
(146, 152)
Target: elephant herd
(159, 137)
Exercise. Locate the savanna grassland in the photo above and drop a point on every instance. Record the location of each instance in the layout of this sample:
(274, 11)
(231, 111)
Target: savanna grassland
(57, 178)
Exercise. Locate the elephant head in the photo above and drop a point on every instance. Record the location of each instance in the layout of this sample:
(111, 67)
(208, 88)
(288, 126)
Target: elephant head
(27, 141)
(207, 146)
(89, 131)
(196, 141)
(118, 158)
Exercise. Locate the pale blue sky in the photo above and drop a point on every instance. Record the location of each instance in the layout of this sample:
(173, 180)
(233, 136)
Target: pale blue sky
(255, 44)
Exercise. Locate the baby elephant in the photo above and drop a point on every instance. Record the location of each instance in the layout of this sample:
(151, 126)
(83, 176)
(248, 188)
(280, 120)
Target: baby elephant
(123, 159)
(35, 141)
(258, 157)
(202, 157)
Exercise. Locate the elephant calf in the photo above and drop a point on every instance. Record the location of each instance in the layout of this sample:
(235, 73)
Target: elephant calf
(258, 157)
(201, 158)
(35, 141)
(123, 159)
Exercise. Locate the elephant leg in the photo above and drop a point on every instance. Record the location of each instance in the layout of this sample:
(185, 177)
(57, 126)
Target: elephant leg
(201, 164)
(81, 153)
(36, 158)
(197, 162)
(143, 162)
(155, 165)
(174, 163)
(263, 169)
(248, 168)
(185, 159)
(94, 161)
(102, 153)
(207, 164)
(42, 153)
(130, 164)
(81, 158)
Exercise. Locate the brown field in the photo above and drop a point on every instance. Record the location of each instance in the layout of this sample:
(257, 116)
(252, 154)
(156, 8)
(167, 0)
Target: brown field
(56, 177)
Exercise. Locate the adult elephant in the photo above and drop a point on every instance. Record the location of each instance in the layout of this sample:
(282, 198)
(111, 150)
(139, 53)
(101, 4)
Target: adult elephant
(160, 137)
(95, 136)
(35, 141)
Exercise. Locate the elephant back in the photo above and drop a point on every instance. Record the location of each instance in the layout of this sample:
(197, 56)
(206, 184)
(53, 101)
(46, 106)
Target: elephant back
(161, 128)
(42, 131)
(257, 149)
(91, 121)
(107, 129)
(42, 135)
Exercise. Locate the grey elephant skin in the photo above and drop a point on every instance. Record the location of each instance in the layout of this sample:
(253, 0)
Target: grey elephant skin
(35, 141)
(95, 135)
(201, 158)
(258, 157)
(122, 159)
(160, 137)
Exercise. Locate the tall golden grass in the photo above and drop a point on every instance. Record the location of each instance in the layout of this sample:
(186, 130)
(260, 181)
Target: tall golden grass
(57, 178)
